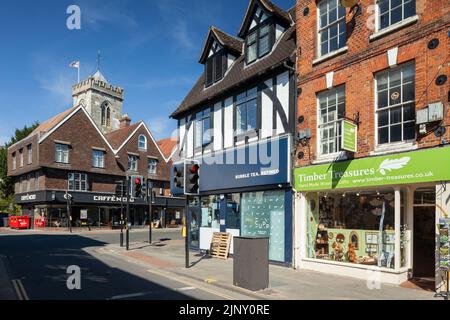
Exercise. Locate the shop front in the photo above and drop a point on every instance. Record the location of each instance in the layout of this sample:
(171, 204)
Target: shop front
(90, 209)
(373, 218)
(252, 198)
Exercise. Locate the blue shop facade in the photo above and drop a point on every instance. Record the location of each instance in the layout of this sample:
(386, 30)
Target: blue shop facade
(251, 199)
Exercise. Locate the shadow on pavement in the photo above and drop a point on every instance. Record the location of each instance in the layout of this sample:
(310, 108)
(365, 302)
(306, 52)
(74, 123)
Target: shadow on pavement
(41, 262)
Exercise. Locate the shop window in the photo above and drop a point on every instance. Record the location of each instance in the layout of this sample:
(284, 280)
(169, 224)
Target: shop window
(425, 196)
(210, 212)
(393, 11)
(331, 26)
(263, 215)
(233, 218)
(395, 105)
(332, 112)
(353, 228)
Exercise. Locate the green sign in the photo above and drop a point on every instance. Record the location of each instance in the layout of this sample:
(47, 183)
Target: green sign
(411, 167)
(349, 136)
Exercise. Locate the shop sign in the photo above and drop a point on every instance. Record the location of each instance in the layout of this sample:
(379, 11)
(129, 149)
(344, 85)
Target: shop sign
(349, 136)
(28, 197)
(412, 167)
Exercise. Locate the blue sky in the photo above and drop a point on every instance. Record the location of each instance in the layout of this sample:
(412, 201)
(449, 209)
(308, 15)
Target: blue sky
(149, 47)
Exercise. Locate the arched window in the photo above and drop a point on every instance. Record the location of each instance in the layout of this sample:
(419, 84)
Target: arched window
(142, 142)
(106, 114)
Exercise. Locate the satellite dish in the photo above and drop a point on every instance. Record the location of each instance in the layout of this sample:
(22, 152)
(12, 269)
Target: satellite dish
(349, 3)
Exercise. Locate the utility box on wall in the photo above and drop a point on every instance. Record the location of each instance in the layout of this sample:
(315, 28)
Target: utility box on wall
(251, 263)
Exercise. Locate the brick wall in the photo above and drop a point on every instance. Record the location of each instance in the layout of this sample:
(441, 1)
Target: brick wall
(357, 67)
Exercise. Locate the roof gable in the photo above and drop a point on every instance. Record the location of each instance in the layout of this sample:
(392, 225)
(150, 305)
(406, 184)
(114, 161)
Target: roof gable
(232, 44)
(268, 8)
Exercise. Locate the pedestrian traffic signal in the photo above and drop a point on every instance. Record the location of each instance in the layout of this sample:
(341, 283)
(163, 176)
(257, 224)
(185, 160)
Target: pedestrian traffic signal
(192, 185)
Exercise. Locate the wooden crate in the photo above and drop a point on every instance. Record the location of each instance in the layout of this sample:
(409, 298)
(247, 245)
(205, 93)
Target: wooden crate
(220, 245)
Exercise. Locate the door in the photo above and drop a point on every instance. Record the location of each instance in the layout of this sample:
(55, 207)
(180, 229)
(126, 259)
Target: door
(424, 241)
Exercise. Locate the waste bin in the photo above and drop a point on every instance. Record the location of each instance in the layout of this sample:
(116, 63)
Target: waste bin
(251, 263)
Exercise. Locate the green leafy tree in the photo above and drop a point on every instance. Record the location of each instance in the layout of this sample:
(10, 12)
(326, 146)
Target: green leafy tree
(6, 183)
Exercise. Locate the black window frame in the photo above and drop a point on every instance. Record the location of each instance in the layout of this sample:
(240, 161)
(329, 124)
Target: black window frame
(211, 128)
(270, 21)
(212, 75)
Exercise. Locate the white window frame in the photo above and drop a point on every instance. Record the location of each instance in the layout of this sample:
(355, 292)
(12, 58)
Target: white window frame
(199, 128)
(36, 180)
(61, 155)
(337, 122)
(97, 160)
(133, 163)
(245, 102)
(404, 144)
(144, 142)
(14, 161)
(82, 178)
(319, 53)
(393, 25)
(21, 158)
(152, 166)
(28, 188)
(30, 153)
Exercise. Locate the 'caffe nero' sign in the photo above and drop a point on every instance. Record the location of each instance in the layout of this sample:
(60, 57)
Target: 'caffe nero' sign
(411, 167)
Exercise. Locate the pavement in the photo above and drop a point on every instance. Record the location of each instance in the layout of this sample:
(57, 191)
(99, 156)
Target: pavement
(36, 263)
(167, 258)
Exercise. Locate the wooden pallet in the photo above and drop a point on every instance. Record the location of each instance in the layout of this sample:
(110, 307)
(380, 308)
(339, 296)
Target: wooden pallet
(220, 245)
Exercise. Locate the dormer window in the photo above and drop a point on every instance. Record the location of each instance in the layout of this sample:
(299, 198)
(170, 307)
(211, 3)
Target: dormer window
(261, 37)
(216, 64)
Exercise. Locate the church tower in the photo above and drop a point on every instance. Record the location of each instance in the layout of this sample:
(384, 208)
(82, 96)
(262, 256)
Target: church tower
(101, 100)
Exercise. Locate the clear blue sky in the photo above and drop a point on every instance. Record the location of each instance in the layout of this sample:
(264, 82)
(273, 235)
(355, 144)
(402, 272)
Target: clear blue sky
(149, 47)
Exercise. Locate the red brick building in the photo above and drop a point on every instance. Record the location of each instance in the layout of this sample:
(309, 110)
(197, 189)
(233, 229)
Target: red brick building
(84, 151)
(382, 66)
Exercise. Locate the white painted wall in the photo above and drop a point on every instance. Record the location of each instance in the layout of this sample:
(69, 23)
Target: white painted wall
(182, 131)
(218, 139)
(267, 112)
(278, 31)
(190, 141)
(228, 124)
(283, 95)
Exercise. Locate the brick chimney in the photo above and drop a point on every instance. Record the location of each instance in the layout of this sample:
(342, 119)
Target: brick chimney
(125, 121)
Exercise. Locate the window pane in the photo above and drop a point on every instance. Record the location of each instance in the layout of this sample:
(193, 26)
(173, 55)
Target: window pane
(410, 8)
(264, 45)
(382, 99)
(323, 20)
(409, 92)
(409, 73)
(383, 6)
(241, 118)
(396, 115)
(394, 96)
(251, 115)
(396, 15)
(333, 44)
(198, 131)
(384, 21)
(409, 132)
(251, 52)
(396, 133)
(383, 135)
(333, 31)
(409, 112)
(395, 3)
(324, 48)
(207, 130)
(383, 118)
(342, 39)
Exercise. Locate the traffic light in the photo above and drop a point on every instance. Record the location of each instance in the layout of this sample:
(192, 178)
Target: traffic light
(136, 186)
(192, 185)
(178, 177)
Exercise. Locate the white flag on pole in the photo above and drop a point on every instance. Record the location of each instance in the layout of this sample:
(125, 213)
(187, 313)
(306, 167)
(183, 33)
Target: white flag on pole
(75, 64)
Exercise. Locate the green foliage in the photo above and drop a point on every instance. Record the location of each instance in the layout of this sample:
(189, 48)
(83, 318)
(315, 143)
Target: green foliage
(6, 183)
